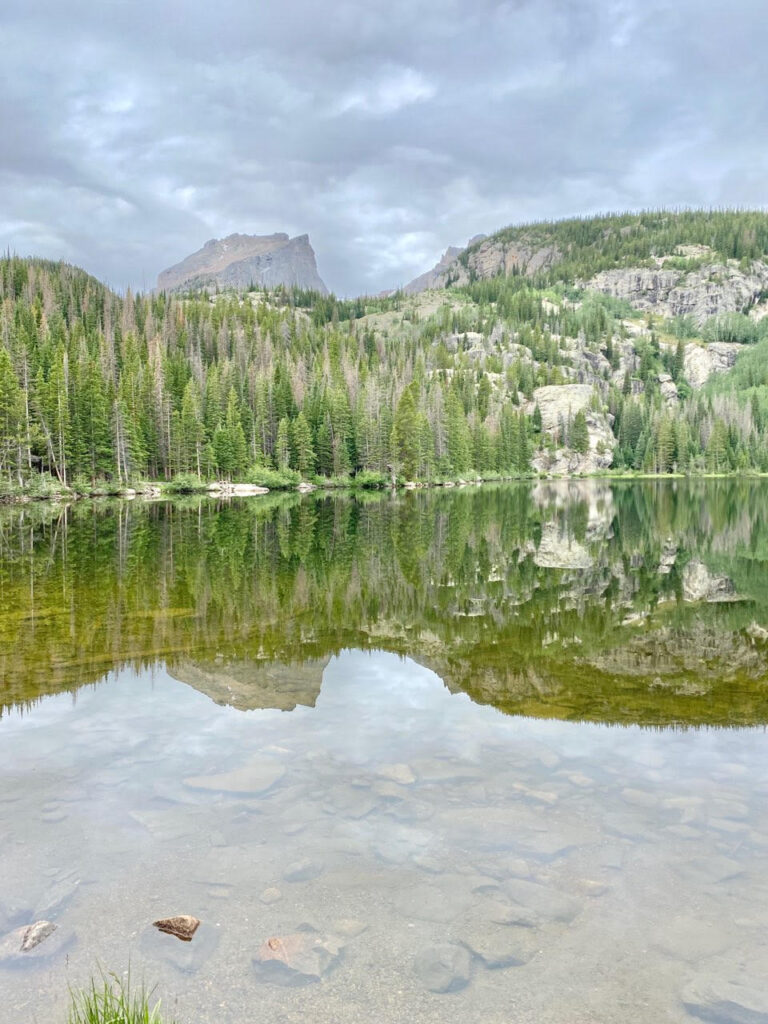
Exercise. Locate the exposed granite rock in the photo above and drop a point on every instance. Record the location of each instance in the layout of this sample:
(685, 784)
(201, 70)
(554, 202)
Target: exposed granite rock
(558, 403)
(709, 291)
(241, 260)
(701, 361)
(443, 272)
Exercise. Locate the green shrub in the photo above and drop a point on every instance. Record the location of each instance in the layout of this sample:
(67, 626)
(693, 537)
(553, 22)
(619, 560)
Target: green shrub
(185, 483)
(370, 480)
(43, 485)
(274, 479)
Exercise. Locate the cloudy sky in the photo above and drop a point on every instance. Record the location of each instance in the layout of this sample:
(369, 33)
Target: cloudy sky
(131, 131)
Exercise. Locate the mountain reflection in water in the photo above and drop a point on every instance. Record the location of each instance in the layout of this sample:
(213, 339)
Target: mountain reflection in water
(620, 603)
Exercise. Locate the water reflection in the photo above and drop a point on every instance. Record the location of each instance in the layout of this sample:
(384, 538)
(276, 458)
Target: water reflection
(452, 860)
(642, 602)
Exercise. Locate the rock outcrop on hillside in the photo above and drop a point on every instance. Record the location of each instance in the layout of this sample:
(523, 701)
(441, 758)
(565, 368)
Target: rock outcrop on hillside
(703, 293)
(702, 361)
(446, 271)
(240, 261)
(558, 404)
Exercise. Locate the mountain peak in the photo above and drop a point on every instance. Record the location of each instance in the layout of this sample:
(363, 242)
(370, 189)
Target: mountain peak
(239, 261)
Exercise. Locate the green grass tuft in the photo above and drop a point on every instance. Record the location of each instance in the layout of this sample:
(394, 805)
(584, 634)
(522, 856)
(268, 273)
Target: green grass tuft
(109, 1000)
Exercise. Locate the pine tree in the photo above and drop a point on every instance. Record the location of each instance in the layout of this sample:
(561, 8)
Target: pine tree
(579, 434)
(282, 445)
(303, 451)
(406, 435)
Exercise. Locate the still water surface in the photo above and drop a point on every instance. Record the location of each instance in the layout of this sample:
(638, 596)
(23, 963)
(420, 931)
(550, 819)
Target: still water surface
(491, 755)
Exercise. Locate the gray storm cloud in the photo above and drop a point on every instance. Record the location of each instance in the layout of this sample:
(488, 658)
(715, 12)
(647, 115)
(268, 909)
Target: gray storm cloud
(131, 132)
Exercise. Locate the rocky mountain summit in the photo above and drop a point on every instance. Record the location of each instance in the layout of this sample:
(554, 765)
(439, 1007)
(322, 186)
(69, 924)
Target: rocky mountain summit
(239, 261)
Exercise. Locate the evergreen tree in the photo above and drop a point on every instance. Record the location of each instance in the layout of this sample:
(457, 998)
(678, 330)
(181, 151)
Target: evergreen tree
(579, 434)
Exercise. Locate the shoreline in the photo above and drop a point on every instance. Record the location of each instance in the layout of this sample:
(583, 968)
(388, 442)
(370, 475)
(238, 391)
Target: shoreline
(164, 491)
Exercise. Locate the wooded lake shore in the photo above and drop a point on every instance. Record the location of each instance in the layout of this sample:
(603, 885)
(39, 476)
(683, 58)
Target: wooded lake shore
(50, 490)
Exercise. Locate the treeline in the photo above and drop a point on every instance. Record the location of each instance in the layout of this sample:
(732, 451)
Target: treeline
(585, 246)
(95, 386)
(272, 387)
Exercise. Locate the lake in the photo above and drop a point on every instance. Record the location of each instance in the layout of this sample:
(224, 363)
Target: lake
(483, 754)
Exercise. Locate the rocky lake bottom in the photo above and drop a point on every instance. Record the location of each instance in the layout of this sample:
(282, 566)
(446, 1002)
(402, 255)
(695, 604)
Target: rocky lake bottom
(411, 855)
(491, 755)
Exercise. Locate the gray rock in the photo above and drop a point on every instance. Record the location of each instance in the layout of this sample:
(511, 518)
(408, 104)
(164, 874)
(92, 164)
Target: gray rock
(739, 1000)
(303, 870)
(301, 958)
(711, 870)
(256, 777)
(690, 939)
(444, 968)
(718, 287)
(187, 957)
(241, 260)
(541, 903)
(496, 945)
(33, 943)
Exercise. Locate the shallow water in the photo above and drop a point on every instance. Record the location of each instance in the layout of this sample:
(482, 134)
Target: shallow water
(548, 866)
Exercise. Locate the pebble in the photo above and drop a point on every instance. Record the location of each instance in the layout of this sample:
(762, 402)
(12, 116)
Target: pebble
(271, 895)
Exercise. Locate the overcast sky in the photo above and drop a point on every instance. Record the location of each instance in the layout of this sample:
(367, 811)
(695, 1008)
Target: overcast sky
(131, 131)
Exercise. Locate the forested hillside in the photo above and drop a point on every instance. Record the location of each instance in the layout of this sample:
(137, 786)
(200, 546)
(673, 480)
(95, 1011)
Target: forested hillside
(578, 360)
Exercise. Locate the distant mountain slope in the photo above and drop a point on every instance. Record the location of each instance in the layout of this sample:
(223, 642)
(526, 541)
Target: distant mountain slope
(440, 275)
(240, 261)
(637, 342)
(693, 263)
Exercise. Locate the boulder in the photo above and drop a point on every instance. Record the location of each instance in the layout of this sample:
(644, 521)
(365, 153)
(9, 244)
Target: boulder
(41, 940)
(300, 958)
(253, 779)
(702, 361)
(740, 999)
(185, 956)
(444, 968)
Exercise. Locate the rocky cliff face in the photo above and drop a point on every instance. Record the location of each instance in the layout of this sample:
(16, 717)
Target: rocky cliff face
(446, 271)
(558, 405)
(708, 291)
(240, 261)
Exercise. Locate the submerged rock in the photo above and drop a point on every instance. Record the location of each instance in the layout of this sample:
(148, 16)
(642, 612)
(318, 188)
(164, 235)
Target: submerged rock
(301, 958)
(31, 942)
(303, 870)
(739, 1000)
(254, 778)
(183, 926)
(444, 968)
(399, 773)
(184, 956)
